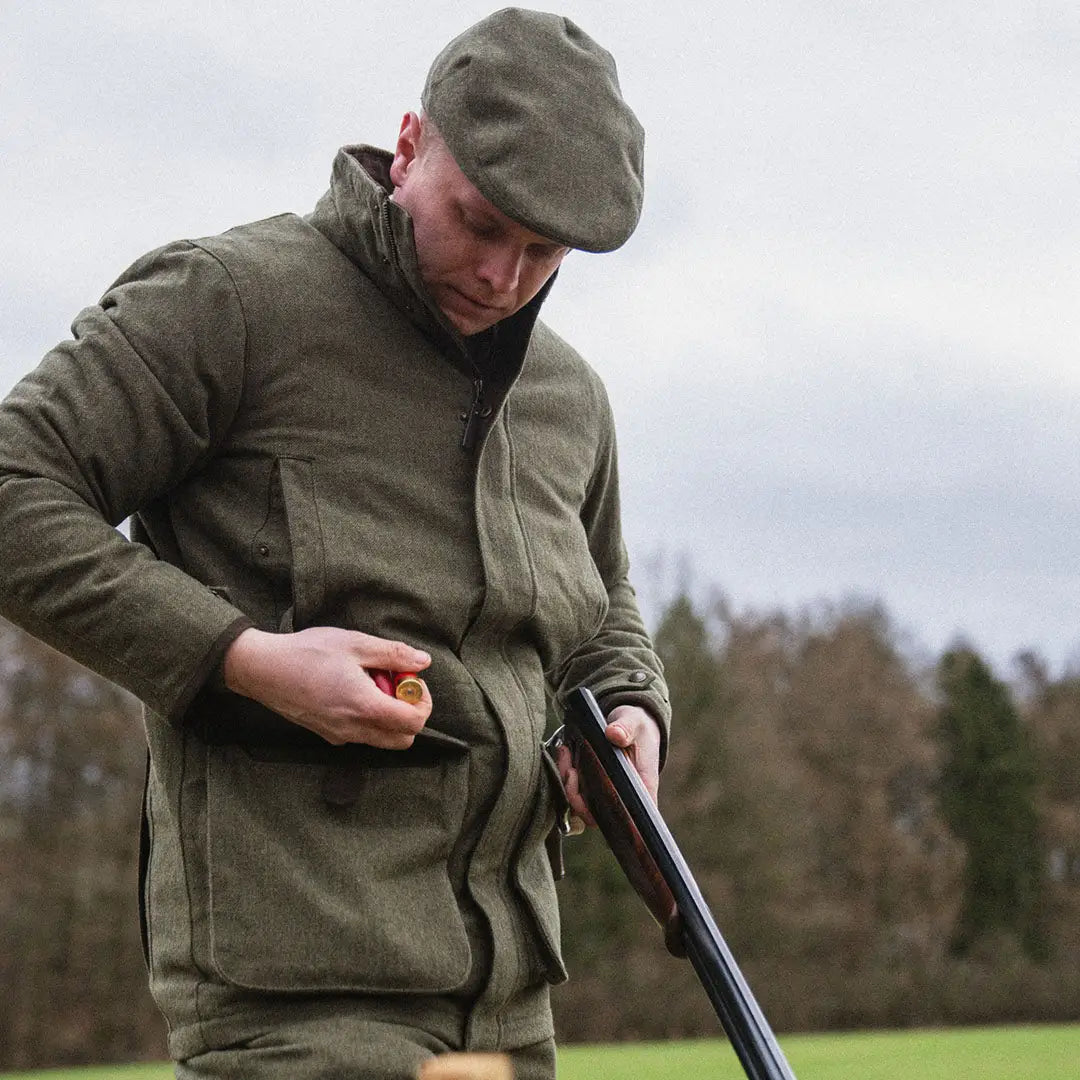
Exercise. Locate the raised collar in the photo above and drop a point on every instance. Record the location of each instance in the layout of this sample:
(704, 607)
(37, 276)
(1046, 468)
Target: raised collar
(358, 216)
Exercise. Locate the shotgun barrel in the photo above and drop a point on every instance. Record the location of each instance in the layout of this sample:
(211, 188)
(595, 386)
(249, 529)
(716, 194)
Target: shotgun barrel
(651, 859)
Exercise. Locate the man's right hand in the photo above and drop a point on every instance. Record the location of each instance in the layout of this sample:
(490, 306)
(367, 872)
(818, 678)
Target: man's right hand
(318, 678)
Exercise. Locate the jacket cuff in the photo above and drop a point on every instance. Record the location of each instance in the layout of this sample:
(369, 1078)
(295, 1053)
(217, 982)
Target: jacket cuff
(209, 673)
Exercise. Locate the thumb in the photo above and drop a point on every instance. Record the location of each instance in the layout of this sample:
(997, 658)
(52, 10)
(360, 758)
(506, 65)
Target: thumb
(619, 733)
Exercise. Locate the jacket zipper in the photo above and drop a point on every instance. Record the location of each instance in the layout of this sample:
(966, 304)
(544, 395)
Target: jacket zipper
(475, 417)
(384, 213)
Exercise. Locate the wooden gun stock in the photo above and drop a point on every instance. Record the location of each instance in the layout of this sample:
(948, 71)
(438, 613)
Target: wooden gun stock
(652, 862)
(626, 844)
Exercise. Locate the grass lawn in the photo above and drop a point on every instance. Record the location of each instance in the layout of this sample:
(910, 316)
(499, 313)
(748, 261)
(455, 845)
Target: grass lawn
(1004, 1053)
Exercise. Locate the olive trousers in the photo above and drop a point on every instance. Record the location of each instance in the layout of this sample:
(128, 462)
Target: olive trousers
(345, 1046)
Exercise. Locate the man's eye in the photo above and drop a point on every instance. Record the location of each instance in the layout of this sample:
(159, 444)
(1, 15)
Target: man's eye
(483, 229)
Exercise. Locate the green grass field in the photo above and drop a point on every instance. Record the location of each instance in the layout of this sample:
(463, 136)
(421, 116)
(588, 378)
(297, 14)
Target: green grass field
(1006, 1053)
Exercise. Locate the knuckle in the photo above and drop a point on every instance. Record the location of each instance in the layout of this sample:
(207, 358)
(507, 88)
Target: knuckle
(358, 642)
(400, 652)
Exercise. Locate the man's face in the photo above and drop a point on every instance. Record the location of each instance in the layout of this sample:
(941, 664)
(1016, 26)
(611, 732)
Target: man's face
(478, 264)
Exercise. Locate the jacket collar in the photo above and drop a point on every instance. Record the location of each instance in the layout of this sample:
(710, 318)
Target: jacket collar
(358, 216)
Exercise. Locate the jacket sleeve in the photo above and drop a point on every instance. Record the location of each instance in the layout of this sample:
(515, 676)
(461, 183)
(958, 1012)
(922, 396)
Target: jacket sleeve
(618, 663)
(111, 420)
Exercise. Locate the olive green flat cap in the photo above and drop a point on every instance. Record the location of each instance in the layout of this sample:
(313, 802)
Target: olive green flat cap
(531, 110)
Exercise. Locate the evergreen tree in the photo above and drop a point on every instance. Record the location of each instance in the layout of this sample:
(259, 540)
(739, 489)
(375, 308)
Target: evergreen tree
(988, 796)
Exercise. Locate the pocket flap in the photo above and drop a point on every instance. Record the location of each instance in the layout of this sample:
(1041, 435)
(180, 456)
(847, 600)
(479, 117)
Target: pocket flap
(227, 719)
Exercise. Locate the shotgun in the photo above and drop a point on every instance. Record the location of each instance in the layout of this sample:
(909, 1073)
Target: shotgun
(651, 860)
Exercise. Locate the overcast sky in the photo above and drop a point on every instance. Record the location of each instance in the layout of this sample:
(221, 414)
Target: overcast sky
(842, 345)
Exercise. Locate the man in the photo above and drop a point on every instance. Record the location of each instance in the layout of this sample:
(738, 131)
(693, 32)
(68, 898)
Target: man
(346, 443)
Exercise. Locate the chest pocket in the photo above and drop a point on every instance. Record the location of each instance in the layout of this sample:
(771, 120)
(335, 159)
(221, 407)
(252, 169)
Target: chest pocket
(289, 547)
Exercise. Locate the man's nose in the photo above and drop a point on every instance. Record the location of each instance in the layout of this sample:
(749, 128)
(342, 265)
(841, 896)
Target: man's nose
(501, 268)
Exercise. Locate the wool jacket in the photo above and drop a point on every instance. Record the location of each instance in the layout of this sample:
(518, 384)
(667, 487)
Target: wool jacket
(279, 411)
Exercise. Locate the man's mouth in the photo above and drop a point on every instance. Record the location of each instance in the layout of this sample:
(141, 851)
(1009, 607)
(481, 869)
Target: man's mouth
(480, 305)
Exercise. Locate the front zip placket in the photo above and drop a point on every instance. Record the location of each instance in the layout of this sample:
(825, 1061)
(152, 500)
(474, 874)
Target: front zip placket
(475, 418)
(481, 354)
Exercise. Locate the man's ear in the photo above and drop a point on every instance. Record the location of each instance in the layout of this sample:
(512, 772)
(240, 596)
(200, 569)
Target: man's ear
(408, 146)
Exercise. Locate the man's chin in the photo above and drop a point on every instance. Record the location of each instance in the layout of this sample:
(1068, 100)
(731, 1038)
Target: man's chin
(476, 328)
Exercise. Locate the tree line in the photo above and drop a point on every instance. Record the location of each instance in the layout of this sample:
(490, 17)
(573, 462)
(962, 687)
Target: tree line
(884, 840)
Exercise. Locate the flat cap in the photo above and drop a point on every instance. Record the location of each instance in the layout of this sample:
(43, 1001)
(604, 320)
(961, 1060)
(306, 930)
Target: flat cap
(530, 108)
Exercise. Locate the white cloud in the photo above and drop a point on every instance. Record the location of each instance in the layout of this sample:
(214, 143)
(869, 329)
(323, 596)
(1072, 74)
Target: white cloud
(843, 343)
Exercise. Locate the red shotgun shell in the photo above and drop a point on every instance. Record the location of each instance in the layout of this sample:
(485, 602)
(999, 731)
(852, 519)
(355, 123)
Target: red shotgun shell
(408, 687)
(383, 681)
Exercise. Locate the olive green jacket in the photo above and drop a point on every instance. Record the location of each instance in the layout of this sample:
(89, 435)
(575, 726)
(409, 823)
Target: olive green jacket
(279, 410)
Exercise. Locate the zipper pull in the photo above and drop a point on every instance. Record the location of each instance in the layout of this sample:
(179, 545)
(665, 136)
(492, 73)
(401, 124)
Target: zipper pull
(475, 417)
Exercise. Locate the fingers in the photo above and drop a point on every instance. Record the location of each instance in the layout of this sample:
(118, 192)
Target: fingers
(382, 680)
(405, 715)
(580, 816)
(376, 652)
(404, 685)
(564, 760)
(319, 678)
(370, 716)
(380, 739)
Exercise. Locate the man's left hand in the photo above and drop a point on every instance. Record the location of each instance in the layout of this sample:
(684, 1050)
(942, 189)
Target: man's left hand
(632, 729)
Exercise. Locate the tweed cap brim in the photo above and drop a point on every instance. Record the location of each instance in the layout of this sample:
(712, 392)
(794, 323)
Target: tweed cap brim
(531, 110)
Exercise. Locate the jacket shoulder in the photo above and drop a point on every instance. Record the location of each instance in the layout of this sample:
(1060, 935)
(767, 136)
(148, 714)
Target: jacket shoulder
(285, 272)
(554, 359)
(268, 229)
(226, 262)
(267, 245)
